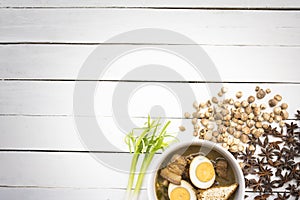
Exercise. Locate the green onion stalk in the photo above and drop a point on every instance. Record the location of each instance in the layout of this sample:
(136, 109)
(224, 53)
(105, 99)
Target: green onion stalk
(151, 139)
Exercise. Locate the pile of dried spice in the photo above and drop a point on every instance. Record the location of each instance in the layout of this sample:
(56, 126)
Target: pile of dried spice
(275, 166)
(232, 122)
(267, 152)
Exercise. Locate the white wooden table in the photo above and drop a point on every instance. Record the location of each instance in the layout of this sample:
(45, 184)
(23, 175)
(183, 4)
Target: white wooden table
(44, 44)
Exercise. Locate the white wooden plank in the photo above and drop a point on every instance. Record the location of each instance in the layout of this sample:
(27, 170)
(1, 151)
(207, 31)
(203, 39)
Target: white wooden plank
(65, 61)
(56, 97)
(204, 27)
(60, 134)
(11, 193)
(64, 194)
(70, 171)
(154, 3)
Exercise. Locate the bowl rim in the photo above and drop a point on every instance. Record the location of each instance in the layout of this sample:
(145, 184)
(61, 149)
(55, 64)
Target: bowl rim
(205, 143)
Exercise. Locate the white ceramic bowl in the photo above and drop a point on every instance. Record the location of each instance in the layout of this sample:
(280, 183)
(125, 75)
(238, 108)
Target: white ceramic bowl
(182, 147)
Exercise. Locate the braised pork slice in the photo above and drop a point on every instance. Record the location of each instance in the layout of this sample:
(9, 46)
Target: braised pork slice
(174, 170)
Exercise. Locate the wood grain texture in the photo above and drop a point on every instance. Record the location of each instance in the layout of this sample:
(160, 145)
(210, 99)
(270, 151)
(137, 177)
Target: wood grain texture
(98, 25)
(12, 193)
(65, 171)
(56, 97)
(264, 4)
(234, 63)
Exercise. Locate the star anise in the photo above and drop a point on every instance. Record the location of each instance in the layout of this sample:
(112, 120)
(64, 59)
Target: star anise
(265, 143)
(248, 155)
(265, 172)
(266, 153)
(275, 145)
(289, 140)
(262, 197)
(282, 197)
(256, 185)
(298, 114)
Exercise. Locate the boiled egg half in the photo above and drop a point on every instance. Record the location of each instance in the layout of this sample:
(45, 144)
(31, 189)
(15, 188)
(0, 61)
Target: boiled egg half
(184, 191)
(202, 172)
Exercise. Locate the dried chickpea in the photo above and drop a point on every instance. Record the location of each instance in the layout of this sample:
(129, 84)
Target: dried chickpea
(278, 97)
(251, 99)
(239, 94)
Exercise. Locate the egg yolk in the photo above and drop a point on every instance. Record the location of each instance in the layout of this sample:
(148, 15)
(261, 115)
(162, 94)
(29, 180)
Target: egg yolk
(180, 193)
(205, 171)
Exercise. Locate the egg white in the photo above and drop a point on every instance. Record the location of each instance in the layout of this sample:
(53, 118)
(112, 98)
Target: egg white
(185, 185)
(193, 166)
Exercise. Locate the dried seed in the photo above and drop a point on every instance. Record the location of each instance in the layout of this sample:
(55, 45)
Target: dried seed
(256, 111)
(257, 88)
(195, 133)
(208, 103)
(231, 101)
(282, 124)
(187, 115)
(278, 97)
(204, 122)
(260, 119)
(215, 133)
(220, 94)
(241, 147)
(250, 123)
(256, 133)
(215, 100)
(258, 125)
(229, 141)
(225, 139)
(225, 145)
(237, 115)
(266, 116)
(284, 106)
(251, 99)
(265, 126)
(224, 89)
(208, 135)
(239, 94)
(207, 114)
(253, 105)
(277, 118)
(284, 114)
(233, 148)
(268, 90)
(194, 121)
(248, 110)
(237, 104)
(251, 147)
(210, 126)
(195, 114)
(244, 138)
(246, 130)
(277, 110)
(271, 120)
(244, 103)
(239, 127)
(230, 130)
(273, 102)
(195, 105)
(240, 122)
(236, 141)
(263, 106)
(244, 117)
(181, 128)
(237, 134)
(220, 138)
(260, 94)
(202, 105)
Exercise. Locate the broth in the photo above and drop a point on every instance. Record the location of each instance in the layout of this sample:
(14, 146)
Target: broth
(161, 187)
